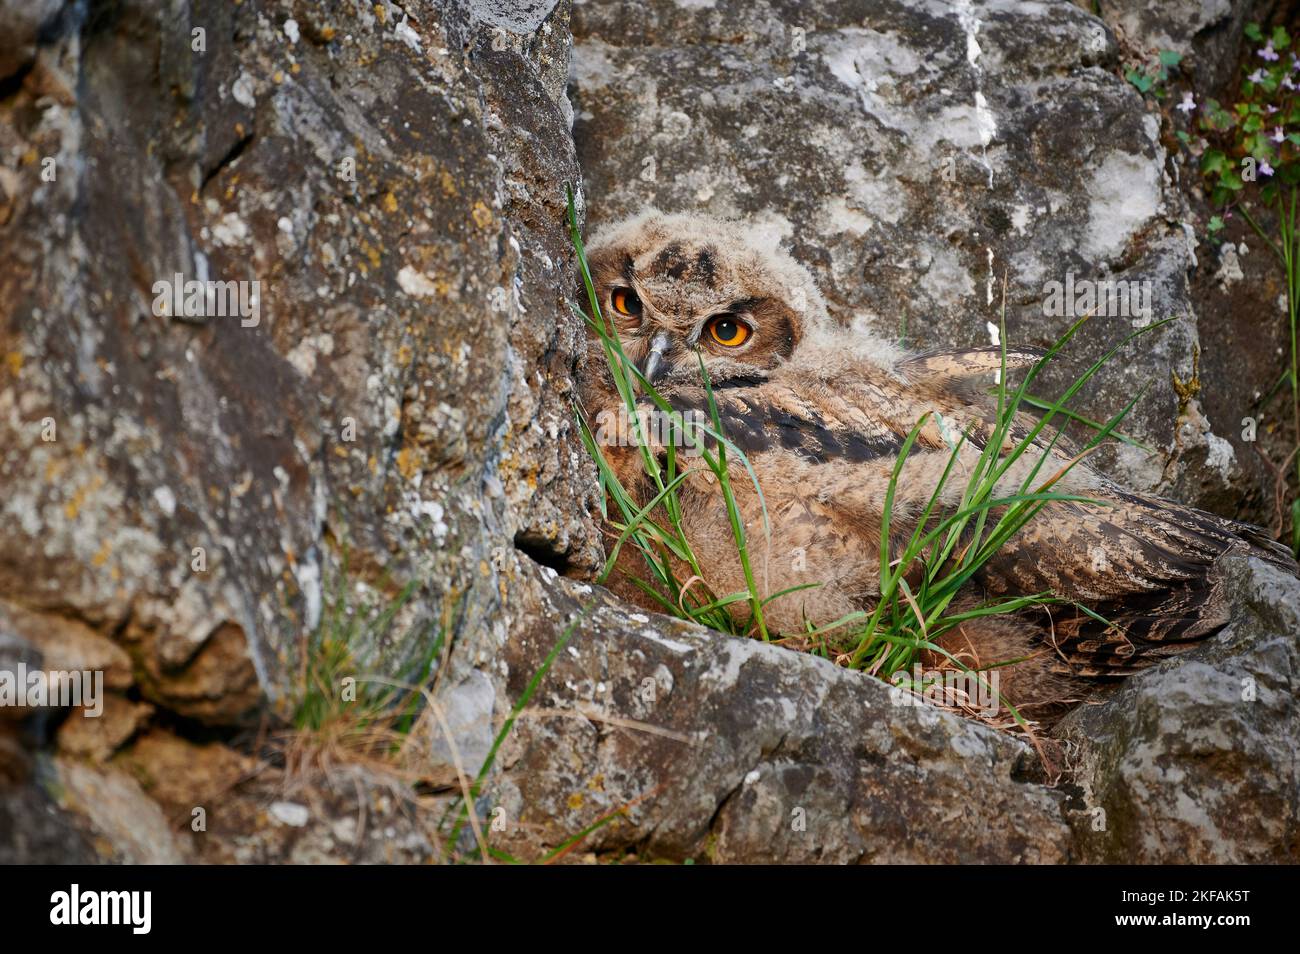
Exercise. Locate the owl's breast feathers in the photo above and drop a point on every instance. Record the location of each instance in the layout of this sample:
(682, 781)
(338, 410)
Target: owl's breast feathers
(1149, 567)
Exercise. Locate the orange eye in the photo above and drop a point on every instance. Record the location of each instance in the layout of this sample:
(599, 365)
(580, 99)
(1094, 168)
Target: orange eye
(625, 302)
(729, 331)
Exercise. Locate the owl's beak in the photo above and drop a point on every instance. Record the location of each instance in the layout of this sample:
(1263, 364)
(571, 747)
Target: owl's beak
(654, 362)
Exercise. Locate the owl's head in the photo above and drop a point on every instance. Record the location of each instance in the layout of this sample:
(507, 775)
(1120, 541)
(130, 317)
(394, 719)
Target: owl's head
(678, 286)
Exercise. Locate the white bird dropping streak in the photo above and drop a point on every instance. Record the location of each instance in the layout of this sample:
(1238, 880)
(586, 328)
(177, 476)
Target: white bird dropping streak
(995, 338)
(986, 124)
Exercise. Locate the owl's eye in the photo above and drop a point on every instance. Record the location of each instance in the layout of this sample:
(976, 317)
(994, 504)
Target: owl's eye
(729, 331)
(625, 302)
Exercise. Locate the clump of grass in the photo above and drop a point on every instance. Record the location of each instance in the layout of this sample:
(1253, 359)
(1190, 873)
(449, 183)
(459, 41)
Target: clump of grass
(345, 713)
(950, 548)
(943, 552)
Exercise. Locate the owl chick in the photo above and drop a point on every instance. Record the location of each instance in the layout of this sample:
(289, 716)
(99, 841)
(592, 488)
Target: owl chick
(822, 413)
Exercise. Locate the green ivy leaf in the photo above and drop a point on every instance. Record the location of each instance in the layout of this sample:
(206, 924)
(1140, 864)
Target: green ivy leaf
(1183, 137)
(1213, 161)
(1254, 33)
(1139, 80)
(1170, 58)
(1281, 39)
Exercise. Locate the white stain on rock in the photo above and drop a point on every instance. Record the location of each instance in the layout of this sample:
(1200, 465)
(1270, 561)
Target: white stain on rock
(1123, 195)
(242, 91)
(416, 283)
(986, 123)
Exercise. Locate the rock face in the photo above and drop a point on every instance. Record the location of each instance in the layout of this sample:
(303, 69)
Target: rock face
(788, 757)
(384, 420)
(387, 386)
(925, 159)
(191, 482)
(1205, 31)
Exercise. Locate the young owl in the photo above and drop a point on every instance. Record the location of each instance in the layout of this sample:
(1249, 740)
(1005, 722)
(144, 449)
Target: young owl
(822, 412)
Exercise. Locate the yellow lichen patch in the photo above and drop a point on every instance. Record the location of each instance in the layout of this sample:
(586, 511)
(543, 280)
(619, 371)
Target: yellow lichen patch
(101, 555)
(404, 355)
(482, 215)
(327, 33)
(575, 801)
(484, 568)
(597, 783)
(448, 184)
(390, 202)
(373, 464)
(14, 362)
(381, 13)
(277, 77)
(73, 506)
(340, 451)
(29, 157)
(408, 463)
(372, 253)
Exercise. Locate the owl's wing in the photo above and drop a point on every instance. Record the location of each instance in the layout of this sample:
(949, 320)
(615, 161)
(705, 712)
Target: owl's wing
(858, 416)
(947, 367)
(817, 423)
(1150, 567)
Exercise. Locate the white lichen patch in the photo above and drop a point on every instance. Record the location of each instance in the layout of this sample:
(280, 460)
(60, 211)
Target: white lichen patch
(1220, 455)
(415, 283)
(166, 500)
(876, 198)
(230, 230)
(407, 35)
(304, 354)
(242, 91)
(946, 280)
(1123, 196)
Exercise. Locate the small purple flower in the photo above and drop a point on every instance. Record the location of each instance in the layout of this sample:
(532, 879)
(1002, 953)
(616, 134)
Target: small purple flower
(1270, 109)
(1287, 84)
(1258, 76)
(1278, 134)
(1295, 62)
(1188, 103)
(1264, 168)
(1268, 53)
